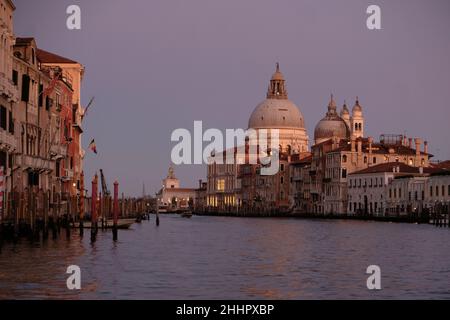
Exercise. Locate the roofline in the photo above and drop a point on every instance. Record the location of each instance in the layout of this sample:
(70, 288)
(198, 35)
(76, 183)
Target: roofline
(11, 4)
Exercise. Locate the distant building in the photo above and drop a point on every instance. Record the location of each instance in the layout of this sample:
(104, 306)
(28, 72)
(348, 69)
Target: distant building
(200, 197)
(172, 197)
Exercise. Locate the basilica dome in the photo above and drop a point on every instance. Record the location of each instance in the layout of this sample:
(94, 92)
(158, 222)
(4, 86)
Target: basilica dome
(276, 113)
(331, 126)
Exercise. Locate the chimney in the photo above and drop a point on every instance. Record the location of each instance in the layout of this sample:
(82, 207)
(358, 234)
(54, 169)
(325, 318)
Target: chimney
(417, 141)
(353, 144)
(421, 170)
(410, 142)
(425, 147)
(370, 139)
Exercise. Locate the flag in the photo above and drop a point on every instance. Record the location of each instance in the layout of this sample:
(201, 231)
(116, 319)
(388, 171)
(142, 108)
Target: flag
(92, 146)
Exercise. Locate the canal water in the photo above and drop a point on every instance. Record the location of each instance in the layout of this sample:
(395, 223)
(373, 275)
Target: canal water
(235, 258)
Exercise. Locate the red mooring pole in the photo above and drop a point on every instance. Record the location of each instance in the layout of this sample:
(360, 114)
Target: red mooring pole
(94, 217)
(116, 209)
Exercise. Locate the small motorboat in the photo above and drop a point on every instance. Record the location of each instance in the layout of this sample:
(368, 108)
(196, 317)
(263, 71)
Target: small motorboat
(186, 214)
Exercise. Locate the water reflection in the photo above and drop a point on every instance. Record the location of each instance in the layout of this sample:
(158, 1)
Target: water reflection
(235, 258)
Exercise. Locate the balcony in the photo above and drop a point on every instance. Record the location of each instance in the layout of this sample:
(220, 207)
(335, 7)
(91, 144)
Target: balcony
(34, 163)
(68, 175)
(58, 151)
(8, 89)
(7, 141)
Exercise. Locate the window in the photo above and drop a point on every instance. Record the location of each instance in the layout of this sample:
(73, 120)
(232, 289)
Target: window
(281, 180)
(25, 88)
(41, 95)
(282, 167)
(399, 192)
(3, 113)
(344, 173)
(344, 158)
(443, 191)
(15, 77)
(448, 191)
(390, 193)
(365, 159)
(11, 123)
(221, 185)
(410, 161)
(374, 160)
(431, 191)
(437, 191)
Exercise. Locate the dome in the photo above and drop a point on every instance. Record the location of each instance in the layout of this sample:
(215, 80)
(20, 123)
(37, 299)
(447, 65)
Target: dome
(331, 126)
(276, 113)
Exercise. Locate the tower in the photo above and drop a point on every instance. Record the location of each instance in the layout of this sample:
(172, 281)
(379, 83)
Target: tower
(357, 120)
(345, 115)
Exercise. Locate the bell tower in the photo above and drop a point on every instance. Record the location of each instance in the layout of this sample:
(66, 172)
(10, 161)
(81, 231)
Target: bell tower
(357, 120)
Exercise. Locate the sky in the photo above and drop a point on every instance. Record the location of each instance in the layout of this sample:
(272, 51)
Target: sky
(155, 66)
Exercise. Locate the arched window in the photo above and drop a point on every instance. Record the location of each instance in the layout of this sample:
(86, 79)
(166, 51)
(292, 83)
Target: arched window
(344, 158)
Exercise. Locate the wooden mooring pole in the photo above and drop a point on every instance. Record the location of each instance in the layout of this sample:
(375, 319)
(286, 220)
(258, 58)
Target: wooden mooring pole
(94, 209)
(116, 209)
(81, 204)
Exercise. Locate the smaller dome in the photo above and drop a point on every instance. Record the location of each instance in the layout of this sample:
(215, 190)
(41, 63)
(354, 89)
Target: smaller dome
(277, 76)
(332, 125)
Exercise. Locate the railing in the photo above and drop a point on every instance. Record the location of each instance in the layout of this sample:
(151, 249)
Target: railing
(8, 139)
(68, 175)
(27, 161)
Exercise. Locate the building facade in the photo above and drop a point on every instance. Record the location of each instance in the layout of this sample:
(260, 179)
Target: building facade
(172, 198)
(40, 119)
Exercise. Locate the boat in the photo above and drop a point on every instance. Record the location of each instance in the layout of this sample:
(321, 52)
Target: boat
(121, 224)
(186, 214)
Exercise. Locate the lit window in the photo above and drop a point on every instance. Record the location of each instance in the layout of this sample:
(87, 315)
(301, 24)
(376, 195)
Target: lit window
(221, 185)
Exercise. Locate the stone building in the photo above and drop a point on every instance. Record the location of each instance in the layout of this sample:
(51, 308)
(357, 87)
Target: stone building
(172, 198)
(9, 94)
(40, 117)
(387, 189)
(341, 149)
